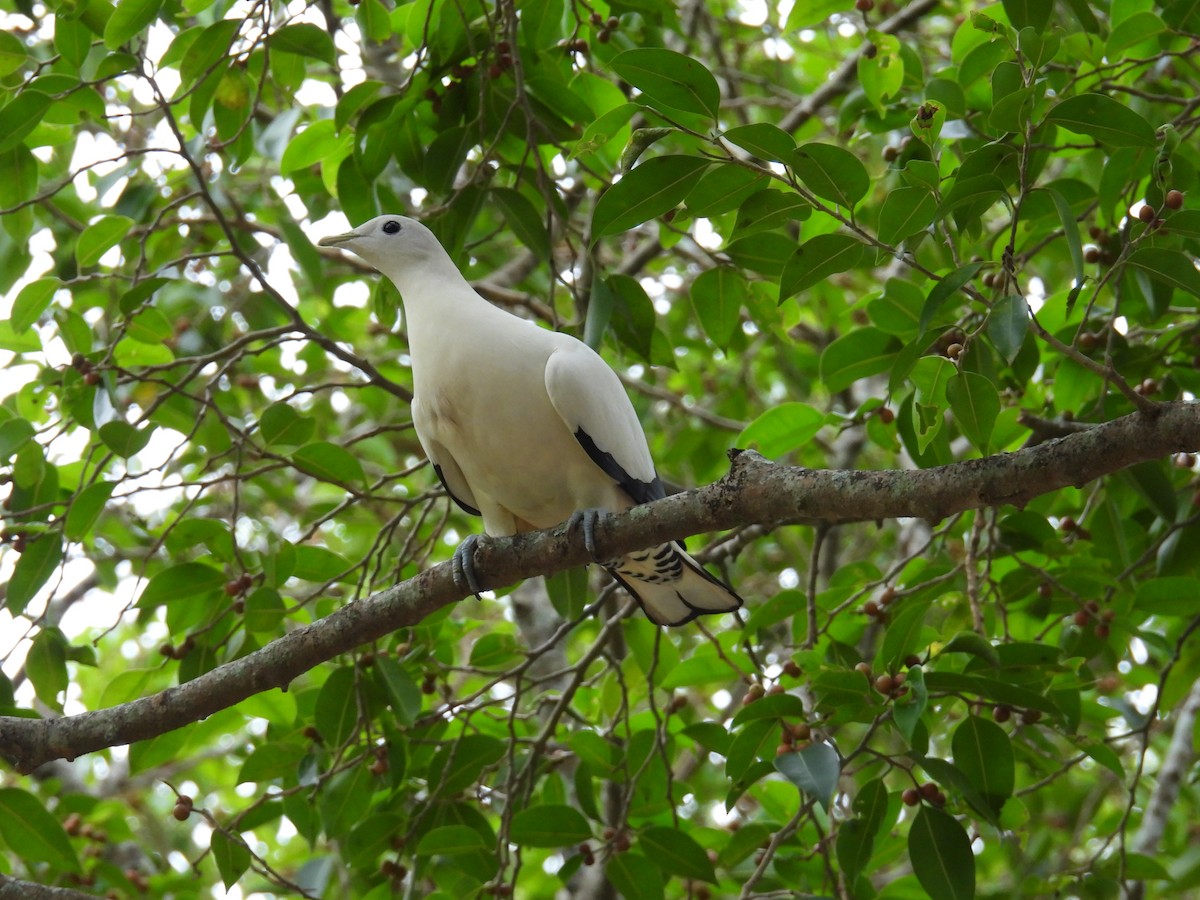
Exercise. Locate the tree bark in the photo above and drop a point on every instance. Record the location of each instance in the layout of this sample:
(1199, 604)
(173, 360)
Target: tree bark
(754, 491)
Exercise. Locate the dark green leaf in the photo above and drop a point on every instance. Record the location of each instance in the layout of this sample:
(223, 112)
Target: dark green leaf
(908, 709)
(21, 116)
(123, 439)
(946, 287)
(634, 877)
(180, 582)
(723, 188)
(772, 706)
(32, 302)
(46, 666)
(974, 644)
(459, 764)
(1028, 13)
(32, 833)
(305, 39)
(976, 405)
(451, 840)
(940, 853)
(855, 844)
(336, 710)
(232, 857)
(128, 18)
(984, 754)
(207, 50)
(1172, 267)
(36, 564)
(832, 173)
(816, 259)
(283, 426)
(1104, 119)
(14, 434)
(717, 296)
(676, 853)
(782, 428)
(1007, 325)
(906, 211)
(524, 220)
(763, 140)
(329, 462)
(86, 508)
(814, 769)
(549, 826)
(12, 53)
(670, 79)
(861, 353)
(100, 237)
(651, 189)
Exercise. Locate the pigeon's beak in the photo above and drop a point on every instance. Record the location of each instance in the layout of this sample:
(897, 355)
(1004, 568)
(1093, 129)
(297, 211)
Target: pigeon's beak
(336, 240)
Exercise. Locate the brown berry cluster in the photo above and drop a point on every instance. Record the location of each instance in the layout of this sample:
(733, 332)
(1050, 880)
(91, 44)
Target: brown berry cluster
(929, 792)
(183, 808)
(605, 29)
(170, 651)
(84, 367)
(877, 609)
(1090, 614)
(793, 737)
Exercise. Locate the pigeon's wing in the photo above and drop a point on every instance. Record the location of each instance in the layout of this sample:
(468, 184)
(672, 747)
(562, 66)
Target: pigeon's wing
(590, 399)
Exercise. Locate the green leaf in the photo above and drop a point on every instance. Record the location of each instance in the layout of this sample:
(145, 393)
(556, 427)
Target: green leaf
(651, 189)
(32, 833)
(976, 405)
(329, 462)
(881, 73)
(345, 799)
(305, 39)
(832, 173)
(859, 354)
(814, 769)
(1070, 232)
(974, 644)
(1007, 325)
(451, 840)
(32, 302)
(855, 844)
(128, 18)
(281, 425)
(207, 50)
(14, 434)
(336, 710)
(404, 695)
(523, 219)
(123, 439)
(12, 53)
(906, 211)
(782, 428)
(20, 116)
(946, 287)
(549, 825)
(984, 754)
(940, 853)
(315, 144)
(1028, 13)
(676, 853)
(180, 582)
(772, 706)
(763, 140)
(903, 635)
(46, 666)
(811, 13)
(1104, 119)
(670, 79)
(717, 296)
(634, 877)
(723, 188)
(816, 259)
(100, 237)
(459, 763)
(1137, 29)
(232, 857)
(1172, 267)
(150, 327)
(315, 563)
(86, 508)
(36, 564)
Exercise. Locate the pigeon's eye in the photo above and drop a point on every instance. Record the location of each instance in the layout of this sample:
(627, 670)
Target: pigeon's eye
(391, 227)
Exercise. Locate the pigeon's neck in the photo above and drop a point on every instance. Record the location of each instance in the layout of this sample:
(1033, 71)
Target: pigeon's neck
(436, 296)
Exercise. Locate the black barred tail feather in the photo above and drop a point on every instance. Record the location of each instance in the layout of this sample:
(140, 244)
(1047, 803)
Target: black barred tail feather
(671, 586)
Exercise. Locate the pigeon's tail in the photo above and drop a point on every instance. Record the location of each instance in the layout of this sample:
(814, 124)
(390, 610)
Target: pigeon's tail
(671, 587)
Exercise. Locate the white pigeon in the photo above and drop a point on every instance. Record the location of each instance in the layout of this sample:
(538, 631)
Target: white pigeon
(525, 427)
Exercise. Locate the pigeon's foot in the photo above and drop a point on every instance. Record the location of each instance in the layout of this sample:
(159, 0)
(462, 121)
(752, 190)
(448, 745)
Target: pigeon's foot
(463, 567)
(586, 520)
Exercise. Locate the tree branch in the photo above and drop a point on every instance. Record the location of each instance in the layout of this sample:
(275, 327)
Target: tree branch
(754, 491)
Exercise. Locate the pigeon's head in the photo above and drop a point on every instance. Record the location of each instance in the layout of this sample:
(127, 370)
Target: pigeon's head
(388, 242)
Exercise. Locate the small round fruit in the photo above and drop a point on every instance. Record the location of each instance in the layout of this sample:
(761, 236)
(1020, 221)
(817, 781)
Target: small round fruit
(911, 796)
(1002, 713)
(1174, 199)
(864, 5)
(929, 790)
(1146, 213)
(885, 684)
(181, 812)
(1082, 618)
